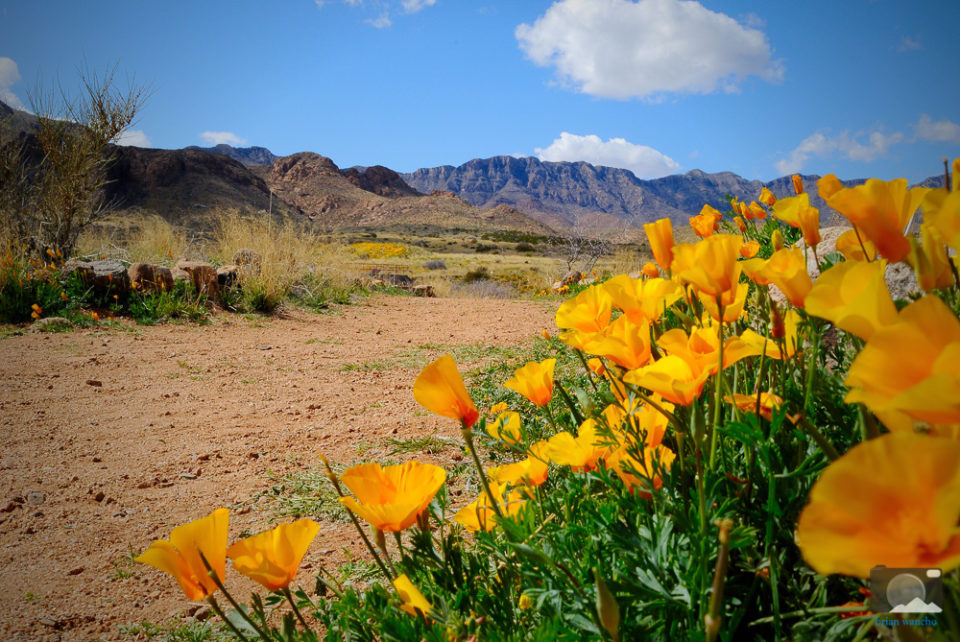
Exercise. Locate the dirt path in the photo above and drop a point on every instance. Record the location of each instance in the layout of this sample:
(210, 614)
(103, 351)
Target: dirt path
(111, 439)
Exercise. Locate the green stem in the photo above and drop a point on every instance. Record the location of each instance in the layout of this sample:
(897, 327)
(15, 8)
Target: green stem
(577, 417)
(828, 448)
(719, 390)
(223, 589)
(212, 601)
(807, 612)
(468, 437)
(286, 593)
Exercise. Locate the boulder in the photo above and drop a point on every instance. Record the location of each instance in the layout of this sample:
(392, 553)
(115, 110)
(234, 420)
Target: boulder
(423, 290)
(203, 276)
(572, 278)
(51, 324)
(228, 275)
(148, 276)
(179, 275)
(106, 276)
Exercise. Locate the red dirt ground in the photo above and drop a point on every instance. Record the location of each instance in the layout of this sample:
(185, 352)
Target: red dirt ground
(114, 437)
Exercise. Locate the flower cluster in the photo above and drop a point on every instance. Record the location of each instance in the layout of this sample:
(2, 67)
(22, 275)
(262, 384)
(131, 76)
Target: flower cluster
(370, 250)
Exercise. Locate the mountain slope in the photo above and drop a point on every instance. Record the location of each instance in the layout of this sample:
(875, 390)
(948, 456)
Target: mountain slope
(245, 155)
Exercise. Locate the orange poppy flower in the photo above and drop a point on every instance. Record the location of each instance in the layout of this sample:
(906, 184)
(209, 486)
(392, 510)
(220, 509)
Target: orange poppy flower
(750, 249)
(479, 515)
(640, 477)
(748, 403)
(642, 299)
(660, 235)
(412, 599)
(881, 211)
(706, 222)
(787, 269)
(828, 185)
(534, 381)
(625, 343)
(893, 500)
(856, 248)
(671, 377)
(439, 388)
(650, 270)
(797, 183)
(581, 453)
(391, 497)
(271, 558)
(909, 371)
(180, 555)
(711, 265)
(531, 471)
(929, 260)
(756, 211)
(854, 297)
(506, 427)
(767, 197)
(589, 311)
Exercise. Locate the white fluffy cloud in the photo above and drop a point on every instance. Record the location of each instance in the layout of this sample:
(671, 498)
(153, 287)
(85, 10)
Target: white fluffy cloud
(939, 131)
(645, 162)
(413, 6)
(624, 49)
(382, 21)
(133, 138)
(843, 144)
(908, 44)
(227, 138)
(9, 74)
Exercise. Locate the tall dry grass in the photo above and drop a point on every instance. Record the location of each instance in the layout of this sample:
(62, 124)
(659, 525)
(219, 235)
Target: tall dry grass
(150, 239)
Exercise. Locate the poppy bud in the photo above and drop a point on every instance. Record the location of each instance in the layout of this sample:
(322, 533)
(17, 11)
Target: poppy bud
(777, 239)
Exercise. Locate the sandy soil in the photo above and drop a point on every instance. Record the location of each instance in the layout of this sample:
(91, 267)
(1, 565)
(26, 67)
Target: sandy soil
(112, 438)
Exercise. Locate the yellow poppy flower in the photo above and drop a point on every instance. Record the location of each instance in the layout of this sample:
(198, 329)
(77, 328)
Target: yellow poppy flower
(767, 197)
(930, 261)
(893, 500)
(623, 342)
(534, 381)
(479, 515)
(581, 453)
(701, 349)
(589, 311)
(596, 367)
(942, 210)
(787, 269)
(642, 299)
(748, 403)
(750, 249)
(909, 371)
(660, 235)
(180, 555)
(671, 377)
(856, 248)
(577, 339)
(854, 297)
(640, 477)
(439, 388)
(531, 471)
(640, 420)
(797, 184)
(791, 339)
(706, 222)
(828, 185)
(797, 212)
(506, 427)
(271, 558)
(711, 265)
(391, 497)
(740, 223)
(650, 270)
(881, 211)
(413, 600)
(497, 408)
(732, 310)
(757, 212)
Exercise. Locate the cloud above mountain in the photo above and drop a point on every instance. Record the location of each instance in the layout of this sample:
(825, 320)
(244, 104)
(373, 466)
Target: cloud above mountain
(623, 49)
(861, 146)
(644, 161)
(9, 74)
(226, 138)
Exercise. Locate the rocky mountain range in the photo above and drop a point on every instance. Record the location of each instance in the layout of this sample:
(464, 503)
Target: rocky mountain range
(245, 155)
(503, 192)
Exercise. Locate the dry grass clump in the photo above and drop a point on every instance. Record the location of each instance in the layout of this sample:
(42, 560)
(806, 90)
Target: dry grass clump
(151, 239)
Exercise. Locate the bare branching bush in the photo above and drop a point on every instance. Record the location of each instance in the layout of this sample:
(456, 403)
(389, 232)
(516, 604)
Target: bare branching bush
(584, 244)
(54, 179)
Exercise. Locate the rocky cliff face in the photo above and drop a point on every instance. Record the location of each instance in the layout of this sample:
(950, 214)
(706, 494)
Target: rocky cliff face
(562, 192)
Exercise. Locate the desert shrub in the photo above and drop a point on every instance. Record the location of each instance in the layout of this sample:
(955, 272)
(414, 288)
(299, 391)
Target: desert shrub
(481, 289)
(319, 294)
(525, 247)
(435, 264)
(481, 248)
(477, 274)
(182, 302)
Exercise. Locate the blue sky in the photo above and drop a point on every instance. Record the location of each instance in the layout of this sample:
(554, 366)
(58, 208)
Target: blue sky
(859, 87)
